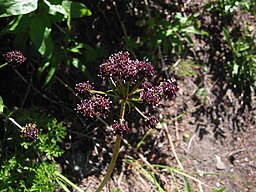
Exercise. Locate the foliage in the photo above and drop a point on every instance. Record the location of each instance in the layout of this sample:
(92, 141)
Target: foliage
(44, 29)
(30, 166)
(241, 68)
(227, 7)
(53, 36)
(173, 37)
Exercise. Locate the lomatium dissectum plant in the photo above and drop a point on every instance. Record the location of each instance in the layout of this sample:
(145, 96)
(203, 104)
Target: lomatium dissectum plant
(29, 132)
(14, 59)
(128, 84)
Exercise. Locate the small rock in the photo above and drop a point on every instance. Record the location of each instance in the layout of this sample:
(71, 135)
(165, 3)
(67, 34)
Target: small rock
(220, 166)
(218, 184)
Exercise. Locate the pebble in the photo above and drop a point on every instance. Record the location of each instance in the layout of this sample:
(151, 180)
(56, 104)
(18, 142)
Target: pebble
(219, 165)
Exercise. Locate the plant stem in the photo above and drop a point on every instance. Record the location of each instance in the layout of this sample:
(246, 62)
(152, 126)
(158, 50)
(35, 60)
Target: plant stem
(14, 122)
(112, 163)
(116, 150)
(3, 65)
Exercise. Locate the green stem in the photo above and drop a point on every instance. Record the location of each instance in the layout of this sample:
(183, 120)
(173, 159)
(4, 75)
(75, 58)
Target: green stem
(112, 163)
(3, 65)
(115, 152)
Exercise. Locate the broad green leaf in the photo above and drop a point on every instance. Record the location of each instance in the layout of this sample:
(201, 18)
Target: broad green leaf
(17, 7)
(40, 35)
(1, 105)
(74, 10)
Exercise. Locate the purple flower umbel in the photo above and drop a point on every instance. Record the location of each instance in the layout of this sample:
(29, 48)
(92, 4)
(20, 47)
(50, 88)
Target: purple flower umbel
(15, 58)
(152, 121)
(120, 128)
(99, 105)
(84, 87)
(29, 132)
(120, 67)
(169, 88)
(129, 86)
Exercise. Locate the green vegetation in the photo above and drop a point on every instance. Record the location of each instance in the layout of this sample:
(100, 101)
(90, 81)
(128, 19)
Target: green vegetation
(65, 41)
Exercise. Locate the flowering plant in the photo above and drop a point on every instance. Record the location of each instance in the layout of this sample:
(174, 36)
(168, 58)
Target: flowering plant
(129, 85)
(14, 59)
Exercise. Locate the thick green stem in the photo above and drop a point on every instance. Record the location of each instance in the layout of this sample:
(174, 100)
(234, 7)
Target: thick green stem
(112, 163)
(116, 150)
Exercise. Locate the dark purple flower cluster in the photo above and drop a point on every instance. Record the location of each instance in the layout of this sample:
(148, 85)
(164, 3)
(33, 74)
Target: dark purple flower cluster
(125, 72)
(120, 128)
(152, 95)
(83, 87)
(120, 67)
(96, 106)
(29, 132)
(15, 58)
(169, 88)
(152, 121)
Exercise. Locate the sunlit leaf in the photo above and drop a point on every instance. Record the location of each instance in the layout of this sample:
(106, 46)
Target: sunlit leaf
(79, 10)
(17, 7)
(56, 8)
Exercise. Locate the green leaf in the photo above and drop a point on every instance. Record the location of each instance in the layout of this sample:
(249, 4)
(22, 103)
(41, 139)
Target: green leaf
(56, 8)
(1, 105)
(17, 7)
(76, 9)
(77, 64)
(50, 75)
(235, 69)
(228, 39)
(192, 29)
(187, 186)
(76, 48)
(40, 30)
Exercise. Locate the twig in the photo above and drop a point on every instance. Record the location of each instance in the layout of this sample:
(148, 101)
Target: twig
(172, 146)
(190, 141)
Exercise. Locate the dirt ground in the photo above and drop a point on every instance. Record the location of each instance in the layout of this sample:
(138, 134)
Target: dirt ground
(209, 127)
(215, 139)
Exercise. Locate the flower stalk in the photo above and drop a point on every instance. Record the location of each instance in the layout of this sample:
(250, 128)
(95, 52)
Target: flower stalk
(116, 150)
(3, 65)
